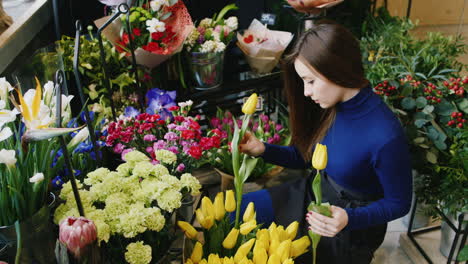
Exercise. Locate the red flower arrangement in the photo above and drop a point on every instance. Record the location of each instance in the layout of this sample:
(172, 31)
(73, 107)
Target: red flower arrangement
(181, 135)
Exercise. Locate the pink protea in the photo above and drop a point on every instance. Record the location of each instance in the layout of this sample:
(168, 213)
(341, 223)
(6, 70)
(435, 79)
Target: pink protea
(76, 234)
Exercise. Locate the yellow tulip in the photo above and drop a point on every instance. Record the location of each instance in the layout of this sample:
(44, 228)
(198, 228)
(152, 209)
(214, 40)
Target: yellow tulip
(288, 261)
(227, 260)
(220, 212)
(274, 235)
(284, 249)
(263, 235)
(319, 158)
(246, 247)
(274, 259)
(249, 213)
(230, 203)
(292, 230)
(188, 229)
(203, 261)
(260, 255)
(250, 105)
(231, 239)
(300, 246)
(274, 244)
(245, 260)
(245, 228)
(214, 259)
(197, 252)
(282, 234)
(188, 261)
(205, 221)
(239, 256)
(207, 207)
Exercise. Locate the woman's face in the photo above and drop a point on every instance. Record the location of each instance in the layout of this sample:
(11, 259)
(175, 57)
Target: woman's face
(321, 90)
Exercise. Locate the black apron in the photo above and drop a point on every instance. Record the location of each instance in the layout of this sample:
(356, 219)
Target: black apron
(290, 201)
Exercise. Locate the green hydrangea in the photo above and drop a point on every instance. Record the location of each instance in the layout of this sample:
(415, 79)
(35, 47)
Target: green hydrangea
(166, 156)
(191, 183)
(138, 253)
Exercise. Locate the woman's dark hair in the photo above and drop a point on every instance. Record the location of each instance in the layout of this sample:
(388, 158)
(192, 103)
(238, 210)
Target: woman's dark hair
(333, 52)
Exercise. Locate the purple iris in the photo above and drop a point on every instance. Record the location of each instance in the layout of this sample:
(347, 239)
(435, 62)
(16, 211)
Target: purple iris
(131, 111)
(159, 101)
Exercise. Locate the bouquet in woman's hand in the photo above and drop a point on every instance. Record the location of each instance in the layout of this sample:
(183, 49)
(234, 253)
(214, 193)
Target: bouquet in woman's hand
(158, 30)
(169, 136)
(263, 47)
(213, 34)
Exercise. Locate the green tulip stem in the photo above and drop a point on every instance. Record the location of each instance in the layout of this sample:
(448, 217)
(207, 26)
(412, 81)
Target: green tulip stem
(314, 251)
(317, 188)
(19, 242)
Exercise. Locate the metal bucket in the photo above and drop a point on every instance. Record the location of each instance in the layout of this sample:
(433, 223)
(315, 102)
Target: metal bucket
(206, 69)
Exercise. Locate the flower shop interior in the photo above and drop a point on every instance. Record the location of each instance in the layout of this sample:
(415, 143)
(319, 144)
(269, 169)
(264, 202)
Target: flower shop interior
(129, 131)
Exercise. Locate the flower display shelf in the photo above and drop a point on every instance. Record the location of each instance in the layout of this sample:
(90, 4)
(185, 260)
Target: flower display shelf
(229, 94)
(460, 235)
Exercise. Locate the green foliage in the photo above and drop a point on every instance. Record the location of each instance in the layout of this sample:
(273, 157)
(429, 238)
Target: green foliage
(390, 51)
(90, 67)
(419, 80)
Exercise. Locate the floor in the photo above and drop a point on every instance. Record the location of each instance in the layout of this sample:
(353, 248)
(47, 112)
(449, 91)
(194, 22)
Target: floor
(390, 251)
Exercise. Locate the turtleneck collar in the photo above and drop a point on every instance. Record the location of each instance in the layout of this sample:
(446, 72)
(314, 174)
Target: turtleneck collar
(360, 104)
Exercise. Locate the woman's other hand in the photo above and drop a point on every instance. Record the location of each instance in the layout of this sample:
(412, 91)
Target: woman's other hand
(328, 226)
(251, 145)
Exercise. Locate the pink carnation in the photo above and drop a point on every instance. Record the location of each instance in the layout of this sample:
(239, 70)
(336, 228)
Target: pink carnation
(149, 138)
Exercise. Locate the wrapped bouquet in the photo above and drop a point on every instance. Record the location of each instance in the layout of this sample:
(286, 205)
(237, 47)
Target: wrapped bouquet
(158, 30)
(263, 47)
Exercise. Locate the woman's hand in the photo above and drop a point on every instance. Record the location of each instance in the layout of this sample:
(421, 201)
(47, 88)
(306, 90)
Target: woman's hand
(327, 226)
(251, 145)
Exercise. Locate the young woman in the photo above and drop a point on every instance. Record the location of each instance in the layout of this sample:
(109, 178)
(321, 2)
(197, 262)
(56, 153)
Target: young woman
(368, 177)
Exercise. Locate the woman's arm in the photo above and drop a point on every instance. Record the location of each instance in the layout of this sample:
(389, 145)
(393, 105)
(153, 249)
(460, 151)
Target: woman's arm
(393, 167)
(286, 156)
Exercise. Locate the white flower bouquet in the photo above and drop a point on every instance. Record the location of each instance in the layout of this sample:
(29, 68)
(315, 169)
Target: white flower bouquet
(131, 207)
(213, 34)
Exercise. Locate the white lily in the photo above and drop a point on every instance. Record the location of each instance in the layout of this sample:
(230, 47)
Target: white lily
(154, 25)
(6, 116)
(48, 93)
(78, 138)
(5, 88)
(8, 157)
(5, 133)
(37, 178)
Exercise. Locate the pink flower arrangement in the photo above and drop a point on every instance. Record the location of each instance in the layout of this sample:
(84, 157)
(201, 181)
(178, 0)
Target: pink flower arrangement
(264, 128)
(181, 135)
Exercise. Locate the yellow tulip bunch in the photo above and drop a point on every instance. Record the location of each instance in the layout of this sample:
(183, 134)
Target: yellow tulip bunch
(247, 244)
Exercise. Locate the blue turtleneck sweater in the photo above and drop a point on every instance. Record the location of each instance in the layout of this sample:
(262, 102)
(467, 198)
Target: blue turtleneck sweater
(367, 153)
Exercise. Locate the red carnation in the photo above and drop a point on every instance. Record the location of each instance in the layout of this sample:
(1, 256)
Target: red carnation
(195, 151)
(136, 32)
(173, 108)
(188, 134)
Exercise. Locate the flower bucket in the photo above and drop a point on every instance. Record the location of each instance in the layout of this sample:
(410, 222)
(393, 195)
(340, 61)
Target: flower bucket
(206, 69)
(37, 235)
(227, 180)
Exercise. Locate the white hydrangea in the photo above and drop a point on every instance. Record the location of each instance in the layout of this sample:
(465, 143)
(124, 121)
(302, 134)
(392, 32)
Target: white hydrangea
(192, 38)
(208, 46)
(232, 23)
(216, 36)
(219, 47)
(206, 22)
